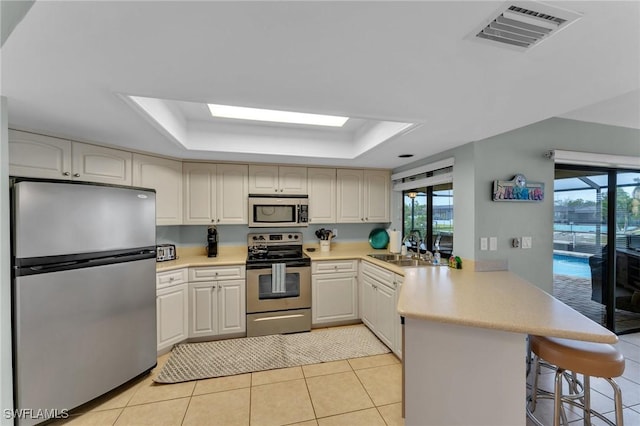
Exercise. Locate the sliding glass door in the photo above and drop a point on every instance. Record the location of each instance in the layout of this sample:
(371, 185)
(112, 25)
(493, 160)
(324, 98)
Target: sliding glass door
(595, 241)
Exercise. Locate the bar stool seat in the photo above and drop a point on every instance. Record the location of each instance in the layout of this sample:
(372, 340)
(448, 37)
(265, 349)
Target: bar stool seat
(586, 358)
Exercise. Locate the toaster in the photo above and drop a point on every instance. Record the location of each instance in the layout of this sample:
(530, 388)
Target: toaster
(165, 252)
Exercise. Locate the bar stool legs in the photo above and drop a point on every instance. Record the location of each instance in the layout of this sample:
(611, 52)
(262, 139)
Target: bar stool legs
(568, 358)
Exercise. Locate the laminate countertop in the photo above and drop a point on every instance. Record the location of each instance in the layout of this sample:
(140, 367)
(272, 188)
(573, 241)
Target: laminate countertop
(497, 300)
(493, 300)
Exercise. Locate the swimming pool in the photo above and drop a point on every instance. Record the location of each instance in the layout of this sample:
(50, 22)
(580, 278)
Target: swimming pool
(570, 265)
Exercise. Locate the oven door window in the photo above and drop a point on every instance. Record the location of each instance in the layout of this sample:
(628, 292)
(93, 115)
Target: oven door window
(267, 290)
(266, 214)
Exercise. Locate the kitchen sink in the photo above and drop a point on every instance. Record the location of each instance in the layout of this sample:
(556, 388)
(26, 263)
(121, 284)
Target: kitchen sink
(411, 262)
(399, 260)
(387, 257)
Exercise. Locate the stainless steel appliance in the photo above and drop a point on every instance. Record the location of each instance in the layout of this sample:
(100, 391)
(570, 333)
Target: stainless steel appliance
(278, 210)
(83, 282)
(165, 252)
(278, 284)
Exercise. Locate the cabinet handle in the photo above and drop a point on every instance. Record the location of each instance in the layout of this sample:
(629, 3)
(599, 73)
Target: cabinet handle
(213, 287)
(76, 175)
(218, 220)
(171, 278)
(213, 220)
(281, 190)
(219, 287)
(276, 189)
(362, 219)
(65, 173)
(366, 219)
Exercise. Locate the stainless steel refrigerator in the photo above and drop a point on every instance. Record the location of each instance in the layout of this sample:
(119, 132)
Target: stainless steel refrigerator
(84, 310)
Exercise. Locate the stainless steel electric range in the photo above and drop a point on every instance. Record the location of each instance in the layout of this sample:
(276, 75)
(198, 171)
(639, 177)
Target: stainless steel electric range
(278, 284)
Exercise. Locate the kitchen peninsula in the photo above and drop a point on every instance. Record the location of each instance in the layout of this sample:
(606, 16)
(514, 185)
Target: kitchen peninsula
(465, 343)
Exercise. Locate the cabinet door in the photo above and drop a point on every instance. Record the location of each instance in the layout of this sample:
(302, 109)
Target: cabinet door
(334, 298)
(39, 156)
(385, 307)
(165, 176)
(199, 182)
(397, 347)
(368, 302)
(350, 189)
(292, 180)
(232, 193)
(376, 196)
(172, 313)
(231, 307)
(321, 184)
(263, 179)
(203, 311)
(99, 164)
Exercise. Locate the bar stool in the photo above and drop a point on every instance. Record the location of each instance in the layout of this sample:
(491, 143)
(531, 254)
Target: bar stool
(586, 358)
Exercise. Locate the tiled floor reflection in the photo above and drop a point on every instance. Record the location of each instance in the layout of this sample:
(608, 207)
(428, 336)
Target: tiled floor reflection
(362, 391)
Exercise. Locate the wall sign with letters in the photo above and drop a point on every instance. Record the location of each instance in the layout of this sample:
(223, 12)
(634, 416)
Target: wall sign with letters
(517, 189)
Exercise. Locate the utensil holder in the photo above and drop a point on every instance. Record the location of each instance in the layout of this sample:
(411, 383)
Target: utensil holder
(325, 245)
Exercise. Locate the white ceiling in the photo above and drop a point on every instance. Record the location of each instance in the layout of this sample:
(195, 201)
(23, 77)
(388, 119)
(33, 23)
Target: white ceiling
(67, 65)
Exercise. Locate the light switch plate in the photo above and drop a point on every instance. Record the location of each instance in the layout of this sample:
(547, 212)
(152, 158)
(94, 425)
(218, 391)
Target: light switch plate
(493, 243)
(484, 244)
(526, 242)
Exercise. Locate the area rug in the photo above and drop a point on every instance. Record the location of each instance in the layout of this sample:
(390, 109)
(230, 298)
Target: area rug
(194, 361)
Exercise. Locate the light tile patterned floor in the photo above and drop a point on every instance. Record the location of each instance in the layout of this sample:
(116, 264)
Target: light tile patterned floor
(363, 391)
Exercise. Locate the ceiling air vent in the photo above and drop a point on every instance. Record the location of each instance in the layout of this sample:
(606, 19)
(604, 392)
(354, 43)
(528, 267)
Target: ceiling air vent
(524, 25)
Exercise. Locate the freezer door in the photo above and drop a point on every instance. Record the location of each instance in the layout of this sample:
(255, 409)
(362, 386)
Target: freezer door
(81, 333)
(52, 218)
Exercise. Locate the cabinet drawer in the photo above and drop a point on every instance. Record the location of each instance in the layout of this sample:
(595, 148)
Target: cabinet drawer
(216, 273)
(169, 278)
(377, 273)
(331, 266)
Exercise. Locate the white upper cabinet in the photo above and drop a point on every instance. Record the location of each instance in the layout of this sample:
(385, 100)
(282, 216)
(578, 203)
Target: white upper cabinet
(350, 187)
(322, 195)
(165, 176)
(277, 180)
(215, 193)
(363, 196)
(100, 164)
(232, 193)
(40, 156)
(199, 181)
(377, 187)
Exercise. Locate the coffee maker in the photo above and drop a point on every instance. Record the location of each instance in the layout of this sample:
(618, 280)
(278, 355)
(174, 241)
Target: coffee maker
(212, 241)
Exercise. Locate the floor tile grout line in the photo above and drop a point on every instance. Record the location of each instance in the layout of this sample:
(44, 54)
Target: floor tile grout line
(313, 407)
(184, 416)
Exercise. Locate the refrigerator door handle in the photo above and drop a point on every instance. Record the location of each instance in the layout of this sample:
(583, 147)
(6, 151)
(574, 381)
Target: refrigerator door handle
(46, 268)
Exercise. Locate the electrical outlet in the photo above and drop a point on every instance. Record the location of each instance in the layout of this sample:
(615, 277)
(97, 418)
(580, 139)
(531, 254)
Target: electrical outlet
(493, 243)
(484, 244)
(334, 231)
(515, 243)
(526, 242)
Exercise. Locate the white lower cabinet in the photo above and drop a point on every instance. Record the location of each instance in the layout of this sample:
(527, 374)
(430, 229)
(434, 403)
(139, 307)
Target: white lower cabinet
(378, 304)
(334, 291)
(217, 307)
(397, 347)
(172, 304)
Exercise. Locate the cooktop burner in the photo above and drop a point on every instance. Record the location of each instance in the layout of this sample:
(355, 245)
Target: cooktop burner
(275, 247)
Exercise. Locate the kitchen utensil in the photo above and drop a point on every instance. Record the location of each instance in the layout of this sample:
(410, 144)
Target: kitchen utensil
(378, 238)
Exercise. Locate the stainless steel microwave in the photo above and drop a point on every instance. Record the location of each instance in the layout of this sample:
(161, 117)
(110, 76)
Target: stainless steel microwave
(266, 211)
